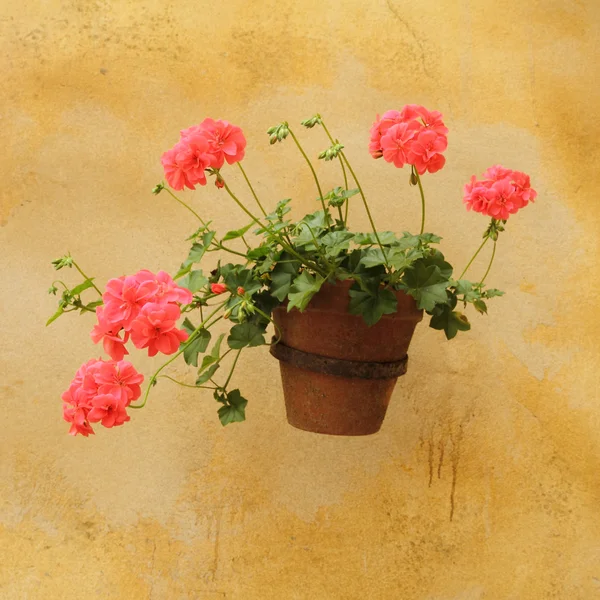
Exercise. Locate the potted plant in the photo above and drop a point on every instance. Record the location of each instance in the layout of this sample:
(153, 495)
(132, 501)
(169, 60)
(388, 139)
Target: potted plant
(343, 305)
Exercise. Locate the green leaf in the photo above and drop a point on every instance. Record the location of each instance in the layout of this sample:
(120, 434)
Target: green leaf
(480, 306)
(466, 287)
(94, 304)
(55, 316)
(81, 287)
(245, 334)
(237, 233)
(197, 346)
(235, 409)
(387, 238)
(198, 231)
(194, 281)
(282, 276)
(216, 351)
(372, 302)
(336, 242)
(437, 258)
(196, 253)
(450, 321)
(184, 269)
(188, 326)
(492, 292)
(205, 376)
(425, 284)
(305, 286)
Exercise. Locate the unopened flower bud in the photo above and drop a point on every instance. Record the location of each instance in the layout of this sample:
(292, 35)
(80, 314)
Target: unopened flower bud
(218, 288)
(157, 189)
(241, 291)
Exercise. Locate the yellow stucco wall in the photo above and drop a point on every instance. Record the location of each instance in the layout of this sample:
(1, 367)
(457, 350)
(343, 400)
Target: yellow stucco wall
(484, 481)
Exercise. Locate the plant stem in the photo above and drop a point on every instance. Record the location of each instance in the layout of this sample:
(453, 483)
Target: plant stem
(283, 244)
(232, 368)
(213, 242)
(239, 164)
(491, 261)
(221, 247)
(345, 217)
(362, 195)
(180, 351)
(187, 206)
(422, 199)
(313, 172)
(204, 387)
(474, 257)
(340, 158)
(86, 277)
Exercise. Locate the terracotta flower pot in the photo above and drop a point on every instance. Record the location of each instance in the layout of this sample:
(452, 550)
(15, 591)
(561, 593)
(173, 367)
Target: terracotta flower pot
(338, 374)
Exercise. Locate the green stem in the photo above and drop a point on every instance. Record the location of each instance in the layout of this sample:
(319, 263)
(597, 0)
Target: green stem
(284, 245)
(232, 368)
(86, 277)
(474, 257)
(203, 387)
(239, 164)
(345, 218)
(422, 199)
(491, 261)
(221, 247)
(187, 206)
(245, 242)
(183, 347)
(318, 247)
(362, 195)
(313, 173)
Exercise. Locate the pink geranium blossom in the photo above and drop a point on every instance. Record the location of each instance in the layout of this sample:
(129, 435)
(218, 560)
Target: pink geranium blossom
(195, 157)
(109, 410)
(426, 151)
(201, 147)
(226, 141)
(154, 328)
(108, 332)
(173, 165)
(125, 296)
(100, 392)
(380, 128)
(414, 136)
(397, 142)
(501, 193)
(120, 379)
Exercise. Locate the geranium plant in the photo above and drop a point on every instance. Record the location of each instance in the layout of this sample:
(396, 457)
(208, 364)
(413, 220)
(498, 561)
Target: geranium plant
(274, 260)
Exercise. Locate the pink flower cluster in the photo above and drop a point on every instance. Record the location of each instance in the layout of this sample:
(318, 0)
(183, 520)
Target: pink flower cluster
(501, 192)
(145, 308)
(200, 147)
(413, 136)
(100, 393)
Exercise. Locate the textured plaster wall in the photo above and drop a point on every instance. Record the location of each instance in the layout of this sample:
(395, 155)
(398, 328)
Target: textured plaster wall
(484, 481)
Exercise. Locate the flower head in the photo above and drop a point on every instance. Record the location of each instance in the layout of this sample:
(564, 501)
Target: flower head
(202, 147)
(414, 136)
(100, 392)
(501, 193)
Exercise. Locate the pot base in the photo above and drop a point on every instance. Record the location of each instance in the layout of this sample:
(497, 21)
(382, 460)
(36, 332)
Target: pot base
(333, 405)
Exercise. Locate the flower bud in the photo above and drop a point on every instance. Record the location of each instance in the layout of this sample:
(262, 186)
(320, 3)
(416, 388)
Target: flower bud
(218, 288)
(241, 291)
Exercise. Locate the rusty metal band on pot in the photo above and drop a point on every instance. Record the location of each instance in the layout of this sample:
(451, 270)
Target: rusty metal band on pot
(338, 367)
